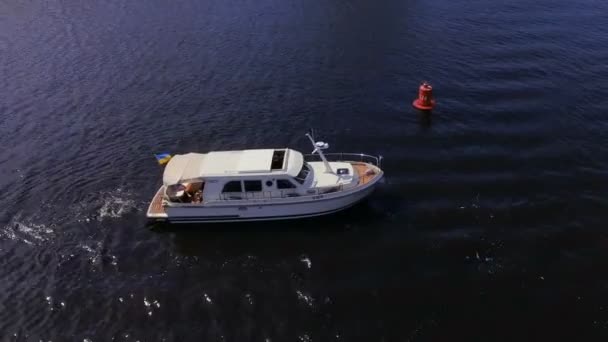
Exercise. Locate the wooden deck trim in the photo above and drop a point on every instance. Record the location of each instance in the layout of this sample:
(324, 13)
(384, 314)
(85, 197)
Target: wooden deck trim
(362, 170)
(156, 207)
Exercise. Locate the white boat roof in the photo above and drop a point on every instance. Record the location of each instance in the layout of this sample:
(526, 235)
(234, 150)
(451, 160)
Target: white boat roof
(197, 166)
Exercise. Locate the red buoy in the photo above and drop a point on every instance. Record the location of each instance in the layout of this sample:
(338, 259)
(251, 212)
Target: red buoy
(425, 99)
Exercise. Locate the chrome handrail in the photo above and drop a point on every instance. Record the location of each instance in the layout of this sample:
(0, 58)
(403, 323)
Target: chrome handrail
(375, 160)
(345, 157)
(251, 195)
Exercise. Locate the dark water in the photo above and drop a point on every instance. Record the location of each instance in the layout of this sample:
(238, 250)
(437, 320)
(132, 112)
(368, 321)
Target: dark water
(491, 225)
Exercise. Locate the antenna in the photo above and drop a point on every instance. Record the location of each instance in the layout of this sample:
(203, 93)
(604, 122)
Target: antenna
(311, 132)
(319, 146)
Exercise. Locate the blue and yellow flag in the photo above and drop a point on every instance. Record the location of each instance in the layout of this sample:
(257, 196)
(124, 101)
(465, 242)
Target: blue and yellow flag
(163, 158)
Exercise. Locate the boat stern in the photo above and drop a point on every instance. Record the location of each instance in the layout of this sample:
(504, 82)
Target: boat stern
(156, 210)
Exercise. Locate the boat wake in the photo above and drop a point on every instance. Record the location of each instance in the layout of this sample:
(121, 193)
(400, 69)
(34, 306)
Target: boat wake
(97, 254)
(30, 230)
(27, 231)
(106, 205)
(115, 204)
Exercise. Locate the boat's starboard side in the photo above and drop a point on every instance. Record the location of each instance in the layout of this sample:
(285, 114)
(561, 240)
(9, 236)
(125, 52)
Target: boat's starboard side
(254, 209)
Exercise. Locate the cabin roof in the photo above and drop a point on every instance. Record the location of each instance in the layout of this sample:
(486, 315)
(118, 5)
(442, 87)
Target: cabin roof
(235, 162)
(196, 166)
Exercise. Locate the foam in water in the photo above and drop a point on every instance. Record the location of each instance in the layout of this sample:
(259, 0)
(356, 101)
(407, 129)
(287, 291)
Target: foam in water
(150, 305)
(106, 204)
(305, 298)
(207, 298)
(26, 231)
(307, 261)
(249, 298)
(95, 254)
(115, 204)
(304, 338)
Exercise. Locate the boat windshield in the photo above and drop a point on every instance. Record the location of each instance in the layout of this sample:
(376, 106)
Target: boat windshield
(301, 177)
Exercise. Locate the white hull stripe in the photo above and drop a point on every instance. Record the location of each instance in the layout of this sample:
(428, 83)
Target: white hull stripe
(236, 218)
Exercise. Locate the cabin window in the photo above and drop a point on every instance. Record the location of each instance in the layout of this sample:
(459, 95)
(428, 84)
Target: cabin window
(234, 186)
(285, 184)
(301, 177)
(253, 185)
(278, 157)
(269, 183)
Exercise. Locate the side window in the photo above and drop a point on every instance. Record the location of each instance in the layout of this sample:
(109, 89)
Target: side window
(234, 186)
(253, 185)
(285, 184)
(301, 177)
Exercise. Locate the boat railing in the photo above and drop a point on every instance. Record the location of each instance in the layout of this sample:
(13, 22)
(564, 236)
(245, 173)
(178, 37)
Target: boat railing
(264, 195)
(352, 157)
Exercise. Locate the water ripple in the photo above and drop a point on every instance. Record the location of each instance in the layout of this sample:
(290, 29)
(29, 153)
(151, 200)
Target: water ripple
(497, 195)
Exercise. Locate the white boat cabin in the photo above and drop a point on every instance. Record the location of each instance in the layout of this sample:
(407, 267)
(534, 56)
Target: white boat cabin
(197, 178)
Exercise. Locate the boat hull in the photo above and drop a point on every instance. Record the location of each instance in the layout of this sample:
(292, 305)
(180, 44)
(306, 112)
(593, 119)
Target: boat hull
(241, 211)
(261, 212)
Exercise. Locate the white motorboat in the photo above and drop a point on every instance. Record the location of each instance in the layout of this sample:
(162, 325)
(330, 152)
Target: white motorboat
(264, 184)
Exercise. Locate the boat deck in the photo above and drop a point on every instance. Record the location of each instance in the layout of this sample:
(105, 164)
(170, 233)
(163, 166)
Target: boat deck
(365, 176)
(156, 207)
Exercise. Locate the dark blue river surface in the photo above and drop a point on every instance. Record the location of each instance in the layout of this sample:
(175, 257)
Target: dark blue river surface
(491, 225)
